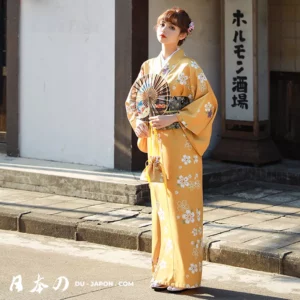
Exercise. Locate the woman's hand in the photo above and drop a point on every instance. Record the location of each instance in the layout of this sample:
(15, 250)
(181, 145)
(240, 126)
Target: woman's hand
(141, 129)
(162, 121)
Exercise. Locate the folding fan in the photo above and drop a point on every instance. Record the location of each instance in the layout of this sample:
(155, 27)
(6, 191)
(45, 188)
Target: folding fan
(152, 95)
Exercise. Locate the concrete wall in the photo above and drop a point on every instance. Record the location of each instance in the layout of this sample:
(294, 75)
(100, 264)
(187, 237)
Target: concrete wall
(284, 27)
(203, 45)
(67, 81)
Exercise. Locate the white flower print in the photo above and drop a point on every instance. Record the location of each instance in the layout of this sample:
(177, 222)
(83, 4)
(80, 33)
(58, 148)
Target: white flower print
(188, 145)
(186, 181)
(188, 217)
(169, 245)
(190, 96)
(203, 87)
(180, 181)
(192, 185)
(174, 87)
(194, 231)
(197, 184)
(198, 214)
(161, 214)
(176, 192)
(187, 275)
(193, 268)
(209, 109)
(196, 175)
(187, 286)
(183, 181)
(192, 243)
(182, 205)
(196, 159)
(198, 244)
(200, 231)
(202, 77)
(194, 65)
(182, 78)
(186, 159)
(180, 167)
(196, 252)
(163, 264)
(178, 217)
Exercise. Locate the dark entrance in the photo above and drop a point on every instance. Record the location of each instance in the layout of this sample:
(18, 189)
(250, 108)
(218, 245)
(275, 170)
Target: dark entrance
(285, 113)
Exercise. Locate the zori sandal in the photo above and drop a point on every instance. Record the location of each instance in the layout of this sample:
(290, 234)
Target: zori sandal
(173, 289)
(158, 287)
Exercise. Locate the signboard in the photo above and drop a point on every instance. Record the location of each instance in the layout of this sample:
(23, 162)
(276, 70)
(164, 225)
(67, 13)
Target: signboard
(238, 60)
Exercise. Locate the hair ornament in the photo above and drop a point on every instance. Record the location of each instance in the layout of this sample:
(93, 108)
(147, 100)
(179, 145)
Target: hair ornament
(191, 27)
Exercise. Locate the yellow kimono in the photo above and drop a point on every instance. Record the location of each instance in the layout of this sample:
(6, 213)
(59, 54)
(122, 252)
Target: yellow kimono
(177, 204)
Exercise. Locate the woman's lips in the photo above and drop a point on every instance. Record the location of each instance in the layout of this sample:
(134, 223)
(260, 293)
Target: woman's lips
(162, 35)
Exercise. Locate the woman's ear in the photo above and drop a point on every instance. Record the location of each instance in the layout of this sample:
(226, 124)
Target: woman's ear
(182, 36)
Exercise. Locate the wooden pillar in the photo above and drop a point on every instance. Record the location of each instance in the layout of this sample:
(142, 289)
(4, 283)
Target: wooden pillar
(245, 84)
(12, 77)
(131, 50)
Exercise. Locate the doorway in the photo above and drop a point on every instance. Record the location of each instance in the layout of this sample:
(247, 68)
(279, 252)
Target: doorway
(284, 57)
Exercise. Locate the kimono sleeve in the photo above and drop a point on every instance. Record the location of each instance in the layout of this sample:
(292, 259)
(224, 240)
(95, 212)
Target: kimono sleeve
(130, 103)
(197, 115)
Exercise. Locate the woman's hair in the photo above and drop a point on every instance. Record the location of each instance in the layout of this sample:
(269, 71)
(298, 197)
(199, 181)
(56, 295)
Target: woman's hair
(177, 17)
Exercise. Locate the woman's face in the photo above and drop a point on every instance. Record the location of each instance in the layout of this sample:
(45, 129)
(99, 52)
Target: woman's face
(167, 33)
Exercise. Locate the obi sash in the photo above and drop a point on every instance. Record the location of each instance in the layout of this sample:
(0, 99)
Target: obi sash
(176, 104)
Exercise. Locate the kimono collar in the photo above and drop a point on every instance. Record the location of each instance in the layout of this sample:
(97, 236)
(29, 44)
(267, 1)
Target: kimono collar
(175, 57)
(164, 61)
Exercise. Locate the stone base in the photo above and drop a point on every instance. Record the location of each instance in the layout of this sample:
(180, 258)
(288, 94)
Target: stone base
(257, 152)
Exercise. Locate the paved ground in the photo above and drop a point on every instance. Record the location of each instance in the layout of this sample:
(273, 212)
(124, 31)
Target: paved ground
(100, 272)
(246, 224)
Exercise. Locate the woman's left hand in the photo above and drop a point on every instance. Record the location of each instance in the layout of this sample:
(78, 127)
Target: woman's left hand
(162, 121)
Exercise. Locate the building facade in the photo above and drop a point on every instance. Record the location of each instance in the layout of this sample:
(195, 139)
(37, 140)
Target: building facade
(68, 67)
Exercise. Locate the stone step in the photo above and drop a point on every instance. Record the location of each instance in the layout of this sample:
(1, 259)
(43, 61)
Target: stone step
(102, 184)
(73, 180)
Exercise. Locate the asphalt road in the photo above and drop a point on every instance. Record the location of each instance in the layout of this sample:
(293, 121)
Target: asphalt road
(39, 267)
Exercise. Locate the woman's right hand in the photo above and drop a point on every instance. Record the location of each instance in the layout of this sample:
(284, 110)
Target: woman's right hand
(141, 129)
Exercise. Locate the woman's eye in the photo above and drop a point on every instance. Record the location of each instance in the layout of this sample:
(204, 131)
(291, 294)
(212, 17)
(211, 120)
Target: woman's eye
(162, 24)
(172, 27)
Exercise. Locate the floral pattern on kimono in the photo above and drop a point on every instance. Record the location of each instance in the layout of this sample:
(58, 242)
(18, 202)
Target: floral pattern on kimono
(177, 204)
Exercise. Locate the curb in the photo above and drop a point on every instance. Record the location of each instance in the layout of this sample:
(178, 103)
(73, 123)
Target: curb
(216, 251)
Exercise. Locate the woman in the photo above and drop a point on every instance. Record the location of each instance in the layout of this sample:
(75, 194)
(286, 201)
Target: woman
(182, 138)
